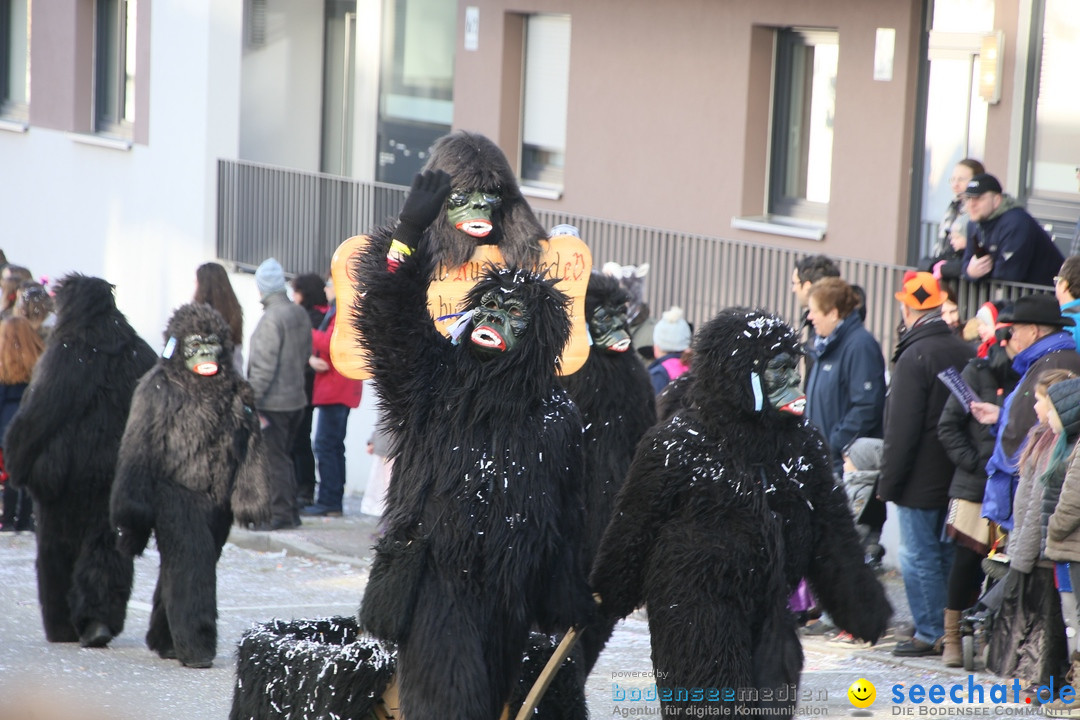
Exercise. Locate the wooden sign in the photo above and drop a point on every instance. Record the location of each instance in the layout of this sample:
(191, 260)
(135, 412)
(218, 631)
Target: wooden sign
(565, 257)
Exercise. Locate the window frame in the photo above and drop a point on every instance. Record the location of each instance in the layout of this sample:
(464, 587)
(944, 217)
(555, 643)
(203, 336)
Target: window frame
(1055, 208)
(111, 54)
(542, 179)
(10, 110)
(788, 41)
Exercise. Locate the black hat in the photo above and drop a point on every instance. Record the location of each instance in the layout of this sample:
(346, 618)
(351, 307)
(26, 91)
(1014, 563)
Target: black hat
(1039, 309)
(982, 183)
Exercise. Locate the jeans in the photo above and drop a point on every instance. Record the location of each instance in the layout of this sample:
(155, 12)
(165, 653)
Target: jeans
(330, 454)
(925, 562)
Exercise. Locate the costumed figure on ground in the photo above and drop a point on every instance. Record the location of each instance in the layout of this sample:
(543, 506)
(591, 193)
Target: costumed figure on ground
(62, 446)
(726, 506)
(190, 460)
(485, 507)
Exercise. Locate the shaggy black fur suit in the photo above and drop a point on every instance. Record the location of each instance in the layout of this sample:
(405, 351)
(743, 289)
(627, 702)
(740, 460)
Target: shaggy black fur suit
(487, 480)
(613, 392)
(62, 446)
(190, 458)
(725, 508)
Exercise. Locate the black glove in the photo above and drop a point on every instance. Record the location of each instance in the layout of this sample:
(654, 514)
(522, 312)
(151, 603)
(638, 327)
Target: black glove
(426, 200)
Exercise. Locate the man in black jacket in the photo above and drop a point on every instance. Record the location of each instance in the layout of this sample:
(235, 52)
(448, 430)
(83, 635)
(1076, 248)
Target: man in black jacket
(915, 471)
(1004, 241)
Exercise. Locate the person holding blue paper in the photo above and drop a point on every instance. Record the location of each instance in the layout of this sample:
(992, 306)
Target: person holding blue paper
(1041, 341)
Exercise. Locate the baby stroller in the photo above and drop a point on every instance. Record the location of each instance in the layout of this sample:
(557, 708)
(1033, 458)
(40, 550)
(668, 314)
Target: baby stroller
(976, 622)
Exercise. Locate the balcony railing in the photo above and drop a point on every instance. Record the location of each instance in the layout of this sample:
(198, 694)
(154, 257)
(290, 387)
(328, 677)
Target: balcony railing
(300, 218)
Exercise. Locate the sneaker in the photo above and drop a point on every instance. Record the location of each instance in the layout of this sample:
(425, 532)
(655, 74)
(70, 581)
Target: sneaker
(916, 648)
(320, 511)
(845, 638)
(1061, 709)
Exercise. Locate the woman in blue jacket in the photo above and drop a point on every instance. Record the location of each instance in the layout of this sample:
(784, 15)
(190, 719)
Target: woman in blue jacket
(845, 393)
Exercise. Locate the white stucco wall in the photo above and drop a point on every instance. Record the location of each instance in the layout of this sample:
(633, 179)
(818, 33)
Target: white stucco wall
(143, 218)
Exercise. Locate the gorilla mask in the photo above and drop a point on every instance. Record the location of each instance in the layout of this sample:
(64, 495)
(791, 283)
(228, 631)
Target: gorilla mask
(201, 353)
(607, 327)
(498, 323)
(782, 384)
(471, 211)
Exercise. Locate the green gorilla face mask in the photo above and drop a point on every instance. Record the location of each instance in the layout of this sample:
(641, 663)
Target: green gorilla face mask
(782, 384)
(498, 324)
(201, 353)
(471, 211)
(608, 329)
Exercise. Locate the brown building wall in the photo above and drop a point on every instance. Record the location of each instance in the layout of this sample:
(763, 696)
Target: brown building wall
(669, 106)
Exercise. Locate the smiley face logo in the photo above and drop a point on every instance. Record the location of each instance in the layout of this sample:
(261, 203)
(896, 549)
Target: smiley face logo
(862, 693)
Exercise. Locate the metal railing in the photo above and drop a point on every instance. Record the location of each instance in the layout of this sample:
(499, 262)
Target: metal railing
(300, 218)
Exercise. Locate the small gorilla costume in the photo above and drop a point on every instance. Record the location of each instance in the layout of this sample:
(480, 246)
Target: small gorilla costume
(485, 506)
(613, 392)
(727, 505)
(62, 446)
(191, 458)
(486, 206)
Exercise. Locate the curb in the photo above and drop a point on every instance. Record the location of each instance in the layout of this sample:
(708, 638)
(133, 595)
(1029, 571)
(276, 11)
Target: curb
(281, 541)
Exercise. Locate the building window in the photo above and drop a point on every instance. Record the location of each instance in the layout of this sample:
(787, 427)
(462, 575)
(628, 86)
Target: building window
(14, 60)
(804, 105)
(114, 67)
(544, 103)
(1055, 142)
(416, 87)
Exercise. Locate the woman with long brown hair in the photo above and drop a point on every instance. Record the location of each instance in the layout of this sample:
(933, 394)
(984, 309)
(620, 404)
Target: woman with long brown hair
(212, 287)
(20, 348)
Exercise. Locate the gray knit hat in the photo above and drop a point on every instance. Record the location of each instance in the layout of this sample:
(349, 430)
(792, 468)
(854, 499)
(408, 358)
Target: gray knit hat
(1065, 397)
(865, 453)
(269, 277)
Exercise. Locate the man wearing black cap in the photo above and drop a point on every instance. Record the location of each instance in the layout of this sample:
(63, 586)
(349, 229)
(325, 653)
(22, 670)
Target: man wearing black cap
(1040, 341)
(1004, 241)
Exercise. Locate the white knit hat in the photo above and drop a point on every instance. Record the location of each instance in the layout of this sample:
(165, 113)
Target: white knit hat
(671, 333)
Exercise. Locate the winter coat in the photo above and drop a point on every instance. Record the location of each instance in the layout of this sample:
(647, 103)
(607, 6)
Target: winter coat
(280, 347)
(10, 396)
(1057, 351)
(1072, 310)
(916, 471)
(845, 391)
(665, 369)
(967, 442)
(1063, 528)
(331, 387)
(1020, 248)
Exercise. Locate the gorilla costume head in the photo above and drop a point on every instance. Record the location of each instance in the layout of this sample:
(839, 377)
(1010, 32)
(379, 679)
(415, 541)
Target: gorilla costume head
(746, 369)
(198, 342)
(606, 307)
(520, 314)
(83, 299)
(485, 206)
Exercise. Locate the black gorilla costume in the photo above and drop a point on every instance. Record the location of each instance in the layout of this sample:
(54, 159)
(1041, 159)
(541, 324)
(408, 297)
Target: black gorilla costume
(484, 509)
(727, 505)
(613, 392)
(476, 163)
(191, 458)
(62, 446)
